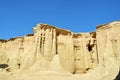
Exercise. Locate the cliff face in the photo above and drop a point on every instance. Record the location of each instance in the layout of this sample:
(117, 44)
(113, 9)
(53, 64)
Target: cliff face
(108, 44)
(51, 48)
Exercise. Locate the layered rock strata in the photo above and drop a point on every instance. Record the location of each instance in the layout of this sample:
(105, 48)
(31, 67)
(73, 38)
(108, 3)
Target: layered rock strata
(51, 48)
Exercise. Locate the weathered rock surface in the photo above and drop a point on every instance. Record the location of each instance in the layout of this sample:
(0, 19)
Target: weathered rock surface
(94, 56)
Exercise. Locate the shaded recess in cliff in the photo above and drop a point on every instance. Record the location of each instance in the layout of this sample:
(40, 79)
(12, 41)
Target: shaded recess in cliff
(118, 76)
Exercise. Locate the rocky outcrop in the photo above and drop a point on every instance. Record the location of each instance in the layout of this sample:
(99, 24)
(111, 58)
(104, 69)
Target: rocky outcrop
(108, 40)
(51, 48)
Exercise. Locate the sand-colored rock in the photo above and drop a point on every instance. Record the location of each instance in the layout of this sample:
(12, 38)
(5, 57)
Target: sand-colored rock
(54, 51)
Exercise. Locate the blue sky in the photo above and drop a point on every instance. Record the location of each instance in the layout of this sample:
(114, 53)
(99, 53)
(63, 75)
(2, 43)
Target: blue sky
(17, 17)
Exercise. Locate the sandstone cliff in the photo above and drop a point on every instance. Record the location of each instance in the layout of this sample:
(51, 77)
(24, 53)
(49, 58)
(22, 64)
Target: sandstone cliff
(53, 49)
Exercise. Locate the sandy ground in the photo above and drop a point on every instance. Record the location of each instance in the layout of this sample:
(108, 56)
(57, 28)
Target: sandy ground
(44, 75)
(51, 75)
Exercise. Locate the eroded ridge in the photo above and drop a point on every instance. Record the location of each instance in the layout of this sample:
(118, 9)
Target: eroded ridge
(54, 49)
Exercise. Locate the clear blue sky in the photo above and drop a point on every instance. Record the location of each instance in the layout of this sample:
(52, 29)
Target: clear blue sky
(17, 17)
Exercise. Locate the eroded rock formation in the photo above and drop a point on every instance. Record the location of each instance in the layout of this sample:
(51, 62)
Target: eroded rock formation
(51, 48)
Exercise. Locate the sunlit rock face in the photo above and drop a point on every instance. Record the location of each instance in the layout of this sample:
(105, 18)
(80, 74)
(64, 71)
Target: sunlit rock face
(50, 48)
